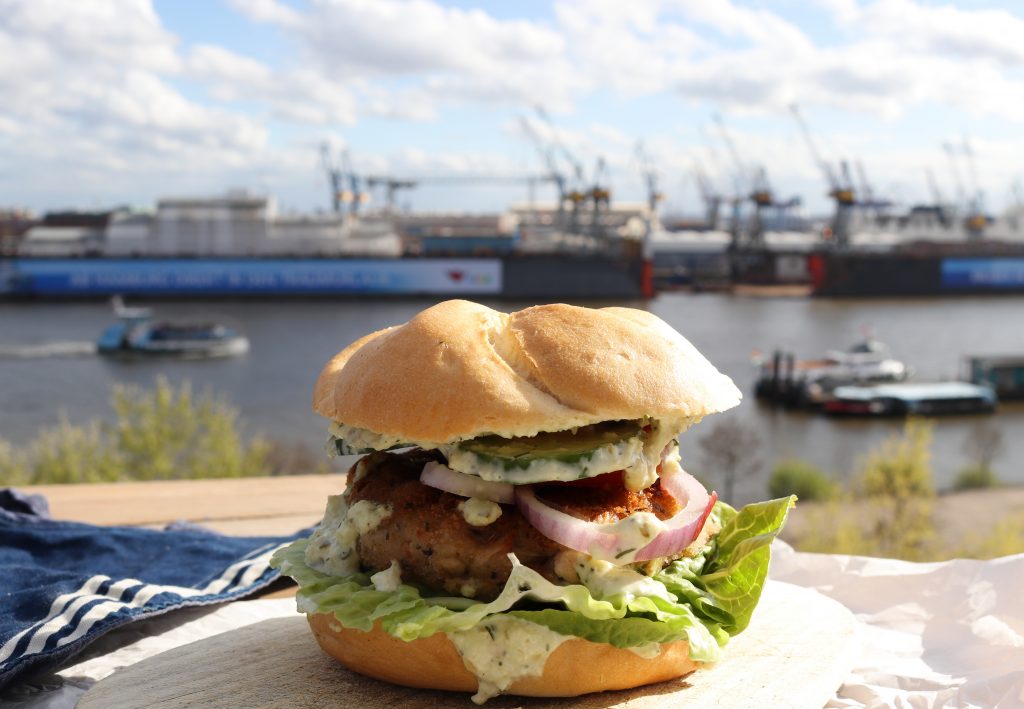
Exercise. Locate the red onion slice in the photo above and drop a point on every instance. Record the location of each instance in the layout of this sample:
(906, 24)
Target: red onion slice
(444, 478)
(611, 542)
(685, 525)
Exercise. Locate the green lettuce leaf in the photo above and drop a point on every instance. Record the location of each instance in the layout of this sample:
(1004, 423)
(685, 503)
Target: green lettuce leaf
(703, 600)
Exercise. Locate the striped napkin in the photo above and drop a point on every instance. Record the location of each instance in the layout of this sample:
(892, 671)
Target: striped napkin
(64, 584)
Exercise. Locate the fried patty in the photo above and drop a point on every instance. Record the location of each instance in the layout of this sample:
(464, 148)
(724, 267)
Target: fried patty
(435, 546)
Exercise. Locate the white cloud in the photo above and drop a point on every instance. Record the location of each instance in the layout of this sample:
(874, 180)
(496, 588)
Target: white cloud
(459, 55)
(102, 92)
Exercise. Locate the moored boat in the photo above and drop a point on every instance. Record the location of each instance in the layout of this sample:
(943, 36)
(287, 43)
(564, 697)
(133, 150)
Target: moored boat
(911, 399)
(810, 382)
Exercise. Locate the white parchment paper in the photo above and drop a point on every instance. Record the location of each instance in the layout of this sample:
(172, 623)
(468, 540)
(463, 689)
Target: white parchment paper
(946, 634)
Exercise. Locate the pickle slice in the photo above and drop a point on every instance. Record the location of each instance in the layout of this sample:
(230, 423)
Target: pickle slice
(570, 446)
(337, 446)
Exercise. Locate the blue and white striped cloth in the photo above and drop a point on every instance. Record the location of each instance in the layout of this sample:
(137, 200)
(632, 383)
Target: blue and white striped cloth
(64, 584)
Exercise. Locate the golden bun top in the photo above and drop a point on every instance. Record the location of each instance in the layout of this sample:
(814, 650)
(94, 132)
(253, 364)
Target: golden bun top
(459, 370)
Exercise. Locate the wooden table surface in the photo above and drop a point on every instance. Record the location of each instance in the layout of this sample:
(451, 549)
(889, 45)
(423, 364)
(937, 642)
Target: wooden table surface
(240, 506)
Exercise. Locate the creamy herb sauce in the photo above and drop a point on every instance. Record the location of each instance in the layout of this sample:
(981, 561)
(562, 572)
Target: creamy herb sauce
(648, 651)
(478, 512)
(605, 579)
(502, 649)
(364, 439)
(639, 457)
(332, 547)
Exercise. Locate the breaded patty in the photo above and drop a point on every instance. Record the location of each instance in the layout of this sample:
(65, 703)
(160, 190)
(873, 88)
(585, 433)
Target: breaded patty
(435, 546)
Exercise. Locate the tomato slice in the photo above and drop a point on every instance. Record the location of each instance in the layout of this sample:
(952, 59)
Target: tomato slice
(604, 481)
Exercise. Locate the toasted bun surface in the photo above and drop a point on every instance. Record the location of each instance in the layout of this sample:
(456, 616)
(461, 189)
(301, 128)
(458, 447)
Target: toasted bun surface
(459, 369)
(575, 667)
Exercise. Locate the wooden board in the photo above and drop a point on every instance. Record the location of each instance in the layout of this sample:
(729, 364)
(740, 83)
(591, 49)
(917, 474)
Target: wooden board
(796, 653)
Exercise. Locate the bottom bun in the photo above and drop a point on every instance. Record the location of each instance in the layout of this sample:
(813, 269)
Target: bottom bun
(576, 667)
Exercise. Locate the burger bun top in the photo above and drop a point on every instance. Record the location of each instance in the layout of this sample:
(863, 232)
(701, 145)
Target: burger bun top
(458, 370)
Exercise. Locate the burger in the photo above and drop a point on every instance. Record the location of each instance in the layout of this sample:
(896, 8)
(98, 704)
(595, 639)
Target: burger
(520, 521)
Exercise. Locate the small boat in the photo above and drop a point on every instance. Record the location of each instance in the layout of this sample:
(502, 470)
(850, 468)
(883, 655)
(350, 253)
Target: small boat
(911, 399)
(810, 382)
(137, 334)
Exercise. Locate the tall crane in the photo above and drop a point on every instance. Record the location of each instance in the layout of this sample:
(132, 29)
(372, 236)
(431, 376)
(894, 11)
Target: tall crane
(839, 182)
(867, 194)
(600, 196)
(756, 180)
(654, 196)
(739, 180)
(1017, 190)
(938, 199)
(392, 186)
(961, 193)
(576, 193)
(712, 199)
(933, 187)
(547, 157)
(345, 184)
(976, 219)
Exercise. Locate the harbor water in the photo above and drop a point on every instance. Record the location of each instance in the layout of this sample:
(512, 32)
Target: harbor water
(48, 369)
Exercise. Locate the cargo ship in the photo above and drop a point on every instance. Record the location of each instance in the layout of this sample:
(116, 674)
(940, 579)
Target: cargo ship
(239, 245)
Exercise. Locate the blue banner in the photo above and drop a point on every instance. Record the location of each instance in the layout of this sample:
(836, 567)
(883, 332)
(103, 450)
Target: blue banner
(250, 277)
(983, 273)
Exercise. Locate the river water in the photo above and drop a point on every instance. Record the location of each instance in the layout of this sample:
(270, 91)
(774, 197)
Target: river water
(46, 370)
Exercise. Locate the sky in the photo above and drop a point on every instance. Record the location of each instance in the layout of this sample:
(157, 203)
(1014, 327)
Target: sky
(121, 102)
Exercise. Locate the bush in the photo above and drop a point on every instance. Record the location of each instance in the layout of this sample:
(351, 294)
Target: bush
(800, 478)
(164, 434)
(901, 467)
(897, 480)
(1006, 538)
(157, 434)
(975, 477)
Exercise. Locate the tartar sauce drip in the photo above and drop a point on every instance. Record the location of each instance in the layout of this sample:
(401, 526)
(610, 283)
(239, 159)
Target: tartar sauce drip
(502, 649)
(332, 547)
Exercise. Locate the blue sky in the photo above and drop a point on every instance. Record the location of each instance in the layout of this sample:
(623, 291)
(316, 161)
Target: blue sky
(124, 101)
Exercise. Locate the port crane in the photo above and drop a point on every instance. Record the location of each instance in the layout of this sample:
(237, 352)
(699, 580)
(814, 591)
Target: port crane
(736, 199)
(760, 192)
(650, 177)
(547, 156)
(975, 220)
(597, 192)
(346, 186)
(939, 207)
(1017, 192)
(840, 185)
(712, 199)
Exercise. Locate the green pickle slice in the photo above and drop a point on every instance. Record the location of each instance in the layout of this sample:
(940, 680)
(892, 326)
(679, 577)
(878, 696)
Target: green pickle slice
(562, 446)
